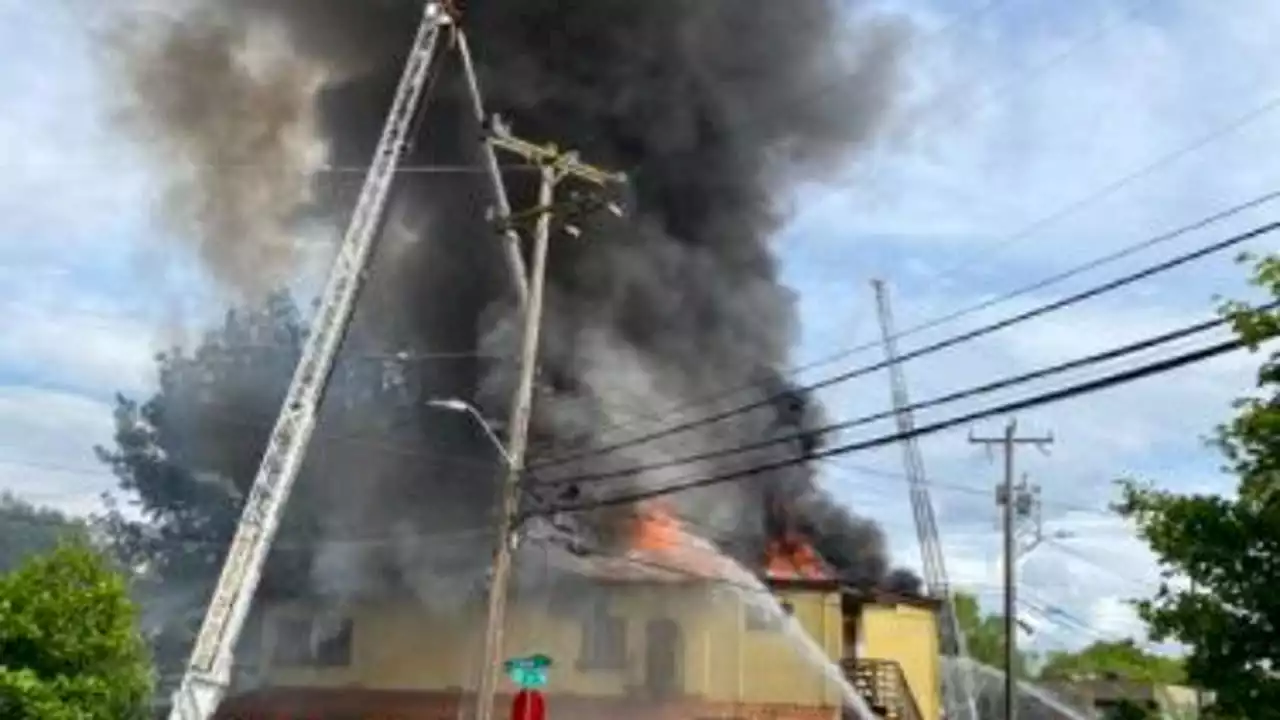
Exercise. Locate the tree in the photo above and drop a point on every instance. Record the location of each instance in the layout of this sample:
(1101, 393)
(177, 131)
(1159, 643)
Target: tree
(1220, 555)
(27, 530)
(984, 635)
(1122, 659)
(69, 644)
(187, 456)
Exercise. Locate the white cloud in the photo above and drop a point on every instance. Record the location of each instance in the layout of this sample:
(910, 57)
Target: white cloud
(46, 447)
(1043, 116)
(1037, 137)
(73, 203)
(96, 352)
(62, 177)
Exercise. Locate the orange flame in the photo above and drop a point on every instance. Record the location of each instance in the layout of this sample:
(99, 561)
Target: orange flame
(791, 558)
(656, 529)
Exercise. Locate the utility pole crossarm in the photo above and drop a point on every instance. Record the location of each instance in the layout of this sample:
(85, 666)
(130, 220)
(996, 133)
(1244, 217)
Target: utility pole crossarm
(566, 163)
(209, 672)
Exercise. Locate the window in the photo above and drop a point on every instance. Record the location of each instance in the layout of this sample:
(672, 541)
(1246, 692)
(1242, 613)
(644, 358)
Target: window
(604, 640)
(762, 617)
(308, 642)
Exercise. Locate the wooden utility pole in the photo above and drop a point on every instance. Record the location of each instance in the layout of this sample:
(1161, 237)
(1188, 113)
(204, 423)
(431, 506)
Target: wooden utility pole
(555, 166)
(1007, 498)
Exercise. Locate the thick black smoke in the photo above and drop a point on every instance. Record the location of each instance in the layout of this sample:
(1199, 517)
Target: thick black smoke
(717, 109)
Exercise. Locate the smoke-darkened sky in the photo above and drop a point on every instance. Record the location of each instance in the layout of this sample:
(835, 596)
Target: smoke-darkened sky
(1037, 140)
(701, 103)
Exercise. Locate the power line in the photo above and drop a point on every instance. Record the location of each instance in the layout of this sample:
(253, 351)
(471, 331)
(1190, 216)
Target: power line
(1040, 224)
(1072, 552)
(1167, 159)
(970, 392)
(1064, 619)
(1103, 383)
(948, 342)
(984, 492)
(394, 540)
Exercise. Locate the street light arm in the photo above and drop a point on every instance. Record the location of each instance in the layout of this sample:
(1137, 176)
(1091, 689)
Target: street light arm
(462, 406)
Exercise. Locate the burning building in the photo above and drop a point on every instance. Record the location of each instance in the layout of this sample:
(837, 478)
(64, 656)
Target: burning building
(255, 111)
(667, 628)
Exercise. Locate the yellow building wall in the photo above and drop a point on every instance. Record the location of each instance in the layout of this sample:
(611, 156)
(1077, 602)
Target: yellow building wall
(402, 646)
(907, 635)
(773, 667)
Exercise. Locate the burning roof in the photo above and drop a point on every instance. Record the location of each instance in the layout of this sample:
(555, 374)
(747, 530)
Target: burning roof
(660, 548)
(791, 557)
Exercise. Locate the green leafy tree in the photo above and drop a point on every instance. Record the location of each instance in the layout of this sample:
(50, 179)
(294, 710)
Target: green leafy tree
(1227, 547)
(187, 456)
(984, 635)
(27, 530)
(69, 644)
(1122, 659)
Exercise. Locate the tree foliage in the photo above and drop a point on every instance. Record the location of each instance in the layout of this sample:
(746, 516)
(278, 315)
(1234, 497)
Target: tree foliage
(1227, 547)
(185, 459)
(69, 645)
(27, 530)
(1121, 660)
(187, 456)
(984, 635)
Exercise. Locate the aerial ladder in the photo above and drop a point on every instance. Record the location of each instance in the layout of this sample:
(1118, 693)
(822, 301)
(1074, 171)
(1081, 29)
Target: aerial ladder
(208, 674)
(958, 686)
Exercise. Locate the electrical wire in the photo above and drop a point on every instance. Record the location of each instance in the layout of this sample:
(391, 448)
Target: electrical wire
(1120, 183)
(946, 343)
(459, 536)
(842, 464)
(965, 394)
(1115, 379)
(1028, 231)
(957, 21)
(1072, 552)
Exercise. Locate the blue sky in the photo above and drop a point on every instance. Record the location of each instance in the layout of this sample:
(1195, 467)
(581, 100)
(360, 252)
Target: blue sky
(1037, 135)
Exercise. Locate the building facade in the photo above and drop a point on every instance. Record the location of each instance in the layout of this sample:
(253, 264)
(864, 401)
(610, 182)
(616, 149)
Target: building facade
(659, 635)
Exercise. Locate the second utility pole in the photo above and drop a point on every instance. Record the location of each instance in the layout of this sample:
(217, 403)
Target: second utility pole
(555, 166)
(1006, 497)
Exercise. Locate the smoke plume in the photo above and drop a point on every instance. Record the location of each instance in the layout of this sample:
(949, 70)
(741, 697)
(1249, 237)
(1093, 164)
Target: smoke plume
(717, 109)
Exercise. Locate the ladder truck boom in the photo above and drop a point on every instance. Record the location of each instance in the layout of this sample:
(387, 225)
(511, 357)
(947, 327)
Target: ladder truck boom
(209, 672)
(958, 691)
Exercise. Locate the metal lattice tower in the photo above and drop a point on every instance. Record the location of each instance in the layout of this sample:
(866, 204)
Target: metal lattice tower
(209, 672)
(958, 687)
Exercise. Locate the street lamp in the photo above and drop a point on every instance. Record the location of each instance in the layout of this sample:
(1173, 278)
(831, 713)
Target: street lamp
(463, 407)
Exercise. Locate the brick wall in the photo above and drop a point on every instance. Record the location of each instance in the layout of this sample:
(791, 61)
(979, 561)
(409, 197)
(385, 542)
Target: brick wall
(286, 704)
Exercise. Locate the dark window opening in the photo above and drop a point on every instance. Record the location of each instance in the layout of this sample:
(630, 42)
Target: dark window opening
(604, 640)
(306, 642)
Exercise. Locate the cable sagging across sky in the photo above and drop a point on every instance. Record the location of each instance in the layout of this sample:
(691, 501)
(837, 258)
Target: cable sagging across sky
(1072, 391)
(973, 391)
(952, 341)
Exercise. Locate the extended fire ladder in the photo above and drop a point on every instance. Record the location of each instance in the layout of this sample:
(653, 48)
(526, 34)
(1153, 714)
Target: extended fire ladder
(958, 686)
(209, 672)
